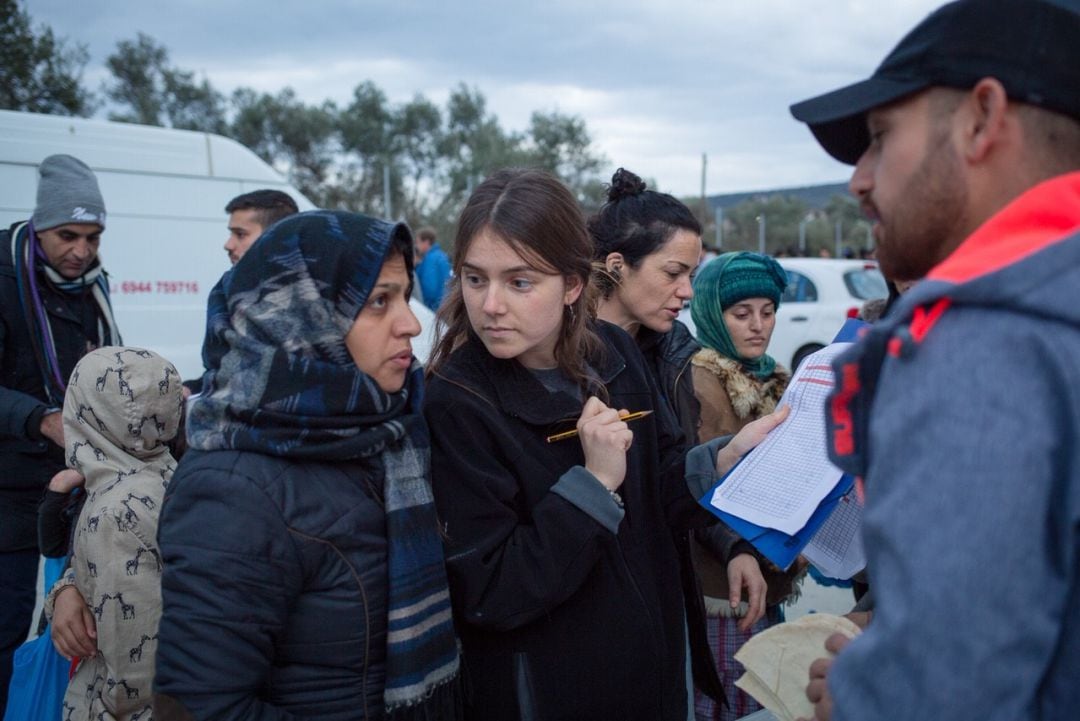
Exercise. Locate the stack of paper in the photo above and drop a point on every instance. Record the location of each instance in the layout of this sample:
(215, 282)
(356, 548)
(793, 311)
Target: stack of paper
(780, 483)
(786, 493)
(777, 662)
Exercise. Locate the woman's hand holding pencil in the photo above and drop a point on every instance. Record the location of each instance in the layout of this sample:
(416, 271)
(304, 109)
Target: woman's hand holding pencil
(573, 433)
(605, 439)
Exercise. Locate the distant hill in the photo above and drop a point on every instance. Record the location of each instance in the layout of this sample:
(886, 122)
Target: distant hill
(815, 196)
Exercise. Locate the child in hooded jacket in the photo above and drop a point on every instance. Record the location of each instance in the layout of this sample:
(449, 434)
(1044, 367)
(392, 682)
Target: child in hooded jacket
(121, 409)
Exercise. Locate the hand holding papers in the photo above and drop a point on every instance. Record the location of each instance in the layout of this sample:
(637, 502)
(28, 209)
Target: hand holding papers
(777, 662)
(785, 494)
(782, 481)
(749, 438)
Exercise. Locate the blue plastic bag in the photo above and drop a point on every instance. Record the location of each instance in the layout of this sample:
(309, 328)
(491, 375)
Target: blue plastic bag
(39, 675)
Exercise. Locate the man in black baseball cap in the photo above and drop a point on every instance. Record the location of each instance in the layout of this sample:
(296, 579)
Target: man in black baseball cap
(959, 409)
(1029, 47)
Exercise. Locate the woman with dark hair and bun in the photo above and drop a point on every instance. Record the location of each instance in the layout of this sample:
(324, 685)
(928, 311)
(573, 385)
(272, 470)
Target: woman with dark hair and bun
(563, 573)
(647, 247)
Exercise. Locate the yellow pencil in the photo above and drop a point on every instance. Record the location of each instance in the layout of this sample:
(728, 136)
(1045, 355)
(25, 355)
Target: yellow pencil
(570, 434)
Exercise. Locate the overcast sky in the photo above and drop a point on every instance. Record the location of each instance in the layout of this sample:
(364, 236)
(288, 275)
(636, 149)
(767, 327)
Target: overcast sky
(658, 82)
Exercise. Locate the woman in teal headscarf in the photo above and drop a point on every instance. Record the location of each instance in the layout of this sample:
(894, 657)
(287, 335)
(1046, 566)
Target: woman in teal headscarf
(736, 382)
(734, 310)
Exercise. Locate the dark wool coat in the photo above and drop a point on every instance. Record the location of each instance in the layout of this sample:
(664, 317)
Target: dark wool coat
(668, 356)
(559, 617)
(274, 589)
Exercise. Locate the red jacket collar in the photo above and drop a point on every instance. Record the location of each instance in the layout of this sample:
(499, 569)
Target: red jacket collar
(1043, 215)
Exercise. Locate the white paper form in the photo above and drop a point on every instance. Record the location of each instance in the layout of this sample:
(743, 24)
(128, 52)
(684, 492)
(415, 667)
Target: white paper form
(837, 548)
(780, 483)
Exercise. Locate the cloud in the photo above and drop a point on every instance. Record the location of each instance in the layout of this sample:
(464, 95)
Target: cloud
(658, 84)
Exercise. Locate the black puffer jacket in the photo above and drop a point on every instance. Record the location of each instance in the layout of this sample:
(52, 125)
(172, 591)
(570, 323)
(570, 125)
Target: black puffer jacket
(274, 589)
(28, 460)
(560, 618)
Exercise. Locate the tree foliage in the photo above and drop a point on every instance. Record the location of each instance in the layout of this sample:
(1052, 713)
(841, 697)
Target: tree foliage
(561, 144)
(780, 216)
(339, 156)
(419, 159)
(783, 217)
(39, 73)
(148, 90)
(366, 132)
(418, 137)
(296, 138)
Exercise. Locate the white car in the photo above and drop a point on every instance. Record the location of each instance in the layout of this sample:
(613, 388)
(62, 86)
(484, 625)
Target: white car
(822, 293)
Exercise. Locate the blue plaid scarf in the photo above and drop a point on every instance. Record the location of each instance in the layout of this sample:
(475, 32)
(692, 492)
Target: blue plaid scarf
(280, 381)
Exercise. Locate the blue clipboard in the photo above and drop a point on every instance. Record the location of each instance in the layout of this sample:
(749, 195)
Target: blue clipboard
(777, 546)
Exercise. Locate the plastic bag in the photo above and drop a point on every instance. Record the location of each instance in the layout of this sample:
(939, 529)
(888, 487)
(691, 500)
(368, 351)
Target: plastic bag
(39, 679)
(39, 675)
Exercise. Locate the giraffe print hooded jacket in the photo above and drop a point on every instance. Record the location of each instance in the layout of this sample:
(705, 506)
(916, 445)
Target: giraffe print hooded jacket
(121, 408)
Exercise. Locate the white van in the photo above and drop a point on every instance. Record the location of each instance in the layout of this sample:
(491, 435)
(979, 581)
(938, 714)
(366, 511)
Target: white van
(165, 192)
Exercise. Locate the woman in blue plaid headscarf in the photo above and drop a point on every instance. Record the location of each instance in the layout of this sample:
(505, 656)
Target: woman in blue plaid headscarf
(303, 565)
(736, 381)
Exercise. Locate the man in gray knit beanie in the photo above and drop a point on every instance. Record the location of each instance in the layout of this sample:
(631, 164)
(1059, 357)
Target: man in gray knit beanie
(54, 308)
(67, 193)
(69, 215)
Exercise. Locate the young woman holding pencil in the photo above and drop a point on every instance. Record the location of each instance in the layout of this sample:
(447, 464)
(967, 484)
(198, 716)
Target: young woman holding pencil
(563, 573)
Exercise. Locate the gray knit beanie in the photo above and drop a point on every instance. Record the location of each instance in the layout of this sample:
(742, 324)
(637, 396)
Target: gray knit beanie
(67, 193)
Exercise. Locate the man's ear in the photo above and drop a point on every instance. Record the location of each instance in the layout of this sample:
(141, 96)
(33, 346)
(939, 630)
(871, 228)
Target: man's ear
(986, 119)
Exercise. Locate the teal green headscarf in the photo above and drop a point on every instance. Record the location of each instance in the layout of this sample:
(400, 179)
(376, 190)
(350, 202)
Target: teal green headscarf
(725, 281)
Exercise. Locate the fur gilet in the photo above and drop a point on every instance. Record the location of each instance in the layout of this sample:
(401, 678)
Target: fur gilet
(730, 397)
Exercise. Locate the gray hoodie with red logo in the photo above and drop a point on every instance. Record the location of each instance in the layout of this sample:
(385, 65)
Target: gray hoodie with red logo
(961, 411)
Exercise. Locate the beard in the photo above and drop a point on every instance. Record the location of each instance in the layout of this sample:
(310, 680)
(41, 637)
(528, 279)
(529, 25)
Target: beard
(927, 222)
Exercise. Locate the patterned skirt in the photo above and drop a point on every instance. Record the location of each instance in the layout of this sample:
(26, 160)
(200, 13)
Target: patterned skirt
(724, 640)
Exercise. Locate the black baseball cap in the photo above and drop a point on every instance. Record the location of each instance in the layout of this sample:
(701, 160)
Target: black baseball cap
(1031, 46)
